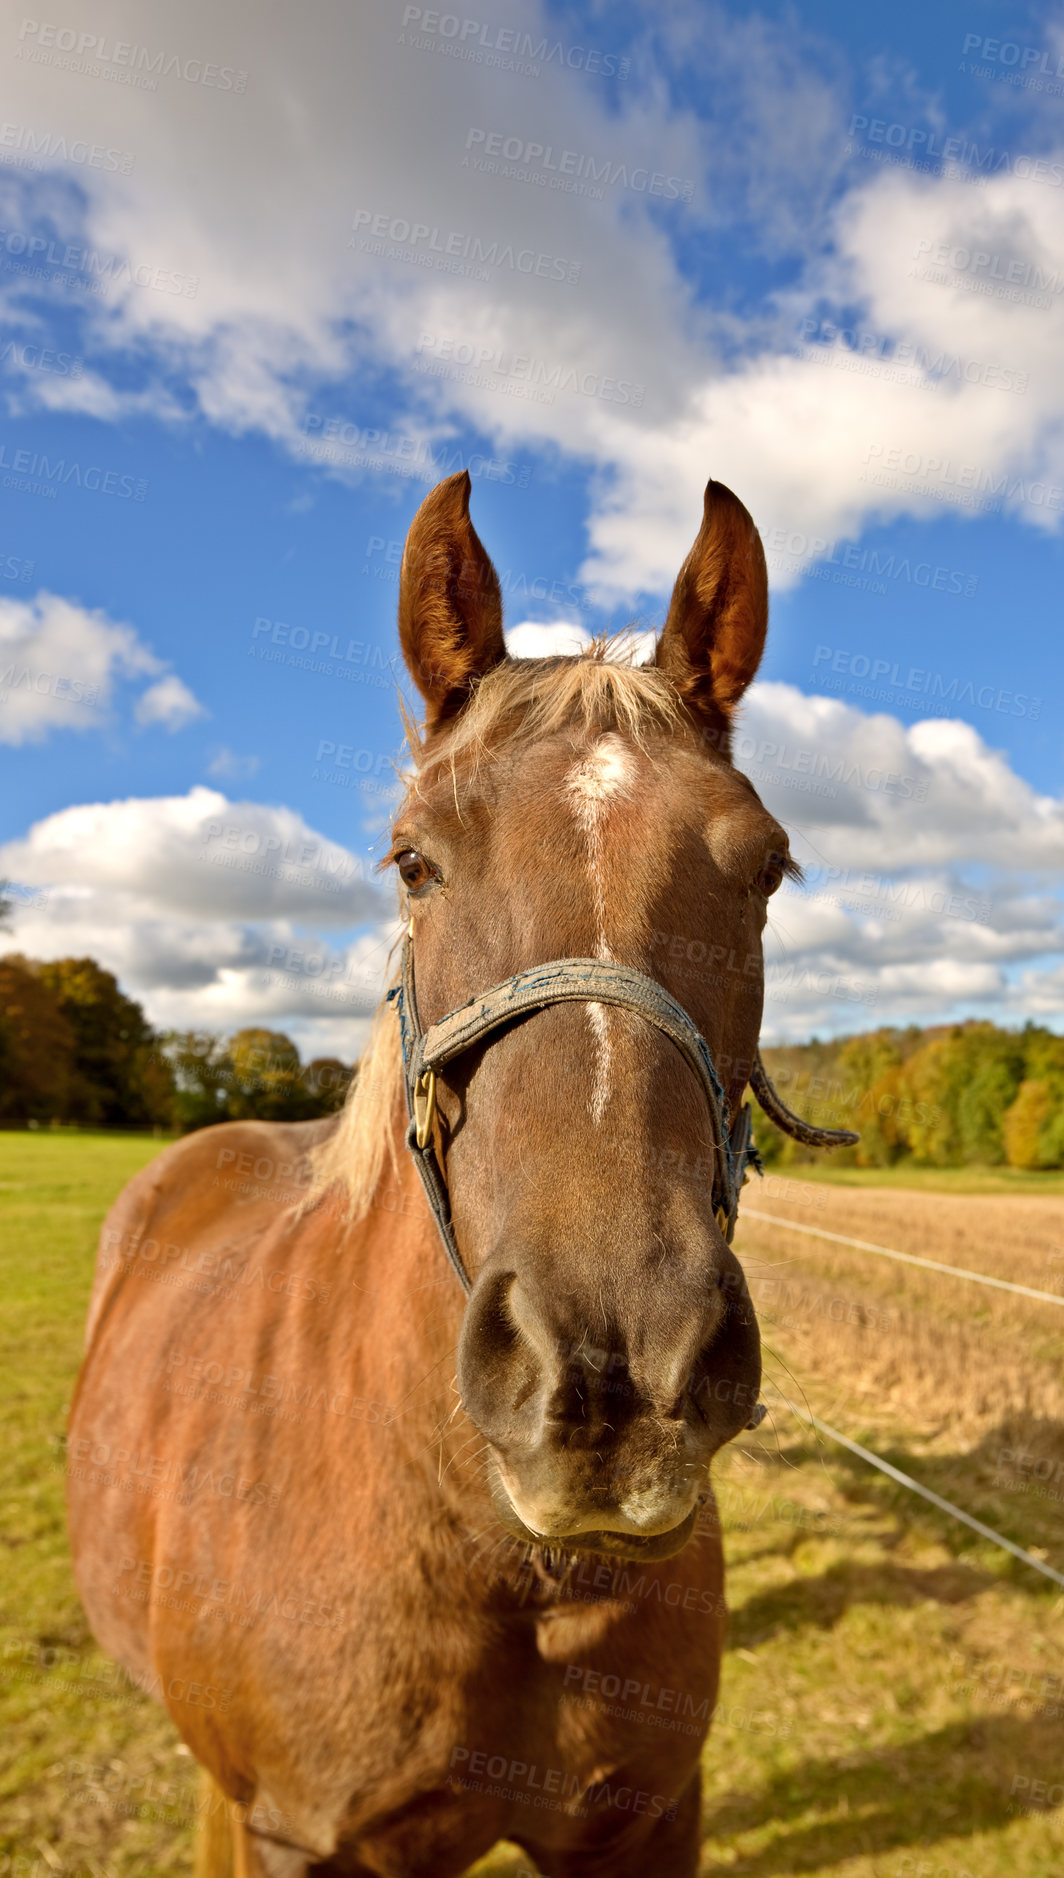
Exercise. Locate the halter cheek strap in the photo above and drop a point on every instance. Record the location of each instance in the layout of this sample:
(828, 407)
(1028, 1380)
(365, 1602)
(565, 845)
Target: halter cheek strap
(561, 981)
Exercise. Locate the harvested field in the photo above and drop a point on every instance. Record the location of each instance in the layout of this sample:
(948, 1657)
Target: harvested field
(870, 1338)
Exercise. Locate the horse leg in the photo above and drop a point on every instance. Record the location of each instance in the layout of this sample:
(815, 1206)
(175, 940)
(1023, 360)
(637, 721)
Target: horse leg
(670, 1849)
(213, 1849)
(224, 1847)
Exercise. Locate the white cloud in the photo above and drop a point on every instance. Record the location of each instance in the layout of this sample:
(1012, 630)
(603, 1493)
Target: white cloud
(266, 299)
(932, 869)
(60, 664)
(535, 639)
(198, 856)
(226, 764)
(213, 913)
(883, 796)
(170, 703)
(532, 640)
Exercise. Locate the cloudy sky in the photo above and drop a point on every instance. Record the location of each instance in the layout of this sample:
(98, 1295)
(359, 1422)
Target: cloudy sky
(267, 274)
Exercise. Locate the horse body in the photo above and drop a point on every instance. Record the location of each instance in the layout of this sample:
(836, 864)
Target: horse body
(310, 1544)
(415, 1571)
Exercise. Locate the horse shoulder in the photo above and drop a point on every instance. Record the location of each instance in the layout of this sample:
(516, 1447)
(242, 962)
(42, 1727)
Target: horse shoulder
(233, 1179)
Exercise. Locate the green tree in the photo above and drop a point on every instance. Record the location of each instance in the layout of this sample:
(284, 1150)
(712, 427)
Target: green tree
(202, 1071)
(1024, 1122)
(326, 1081)
(267, 1083)
(119, 1077)
(37, 1046)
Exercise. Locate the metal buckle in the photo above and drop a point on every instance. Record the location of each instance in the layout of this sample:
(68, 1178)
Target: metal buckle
(722, 1219)
(424, 1107)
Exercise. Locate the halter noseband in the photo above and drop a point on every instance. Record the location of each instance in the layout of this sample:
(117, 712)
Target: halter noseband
(565, 981)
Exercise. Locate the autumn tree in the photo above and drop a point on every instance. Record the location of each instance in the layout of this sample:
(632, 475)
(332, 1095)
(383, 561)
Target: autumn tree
(119, 1077)
(37, 1046)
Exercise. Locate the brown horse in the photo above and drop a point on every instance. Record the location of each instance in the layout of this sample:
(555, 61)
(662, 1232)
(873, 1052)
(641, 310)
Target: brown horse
(415, 1572)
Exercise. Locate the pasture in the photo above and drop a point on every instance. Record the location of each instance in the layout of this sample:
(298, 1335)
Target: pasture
(893, 1695)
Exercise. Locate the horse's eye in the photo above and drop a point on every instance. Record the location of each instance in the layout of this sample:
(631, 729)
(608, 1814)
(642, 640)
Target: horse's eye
(414, 871)
(771, 874)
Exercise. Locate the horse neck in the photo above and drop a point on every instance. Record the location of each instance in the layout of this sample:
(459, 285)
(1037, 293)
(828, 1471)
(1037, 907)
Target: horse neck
(405, 1296)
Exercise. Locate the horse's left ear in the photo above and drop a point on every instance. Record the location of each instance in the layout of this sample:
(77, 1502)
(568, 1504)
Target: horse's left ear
(450, 603)
(714, 635)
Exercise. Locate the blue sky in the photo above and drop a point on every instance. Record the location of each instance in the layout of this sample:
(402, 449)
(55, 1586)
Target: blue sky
(815, 255)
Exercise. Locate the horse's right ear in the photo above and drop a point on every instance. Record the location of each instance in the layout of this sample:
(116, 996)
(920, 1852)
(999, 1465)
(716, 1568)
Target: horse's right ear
(715, 631)
(450, 603)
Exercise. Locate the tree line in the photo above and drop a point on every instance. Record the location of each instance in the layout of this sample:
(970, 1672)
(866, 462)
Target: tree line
(75, 1049)
(951, 1095)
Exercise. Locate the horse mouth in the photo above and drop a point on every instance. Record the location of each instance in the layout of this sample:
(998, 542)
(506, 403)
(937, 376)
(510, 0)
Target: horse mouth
(650, 1547)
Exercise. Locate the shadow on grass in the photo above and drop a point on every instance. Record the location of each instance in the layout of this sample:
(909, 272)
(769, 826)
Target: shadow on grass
(821, 1602)
(954, 1782)
(977, 1480)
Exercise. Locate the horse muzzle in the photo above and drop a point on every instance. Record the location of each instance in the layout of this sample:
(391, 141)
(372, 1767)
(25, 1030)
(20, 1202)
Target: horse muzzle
(616, 1535)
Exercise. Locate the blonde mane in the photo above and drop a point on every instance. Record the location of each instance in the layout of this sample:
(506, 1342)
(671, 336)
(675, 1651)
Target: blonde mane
(600, 689)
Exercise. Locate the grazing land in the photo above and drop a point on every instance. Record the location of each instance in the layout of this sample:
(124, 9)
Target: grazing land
(893, 1697)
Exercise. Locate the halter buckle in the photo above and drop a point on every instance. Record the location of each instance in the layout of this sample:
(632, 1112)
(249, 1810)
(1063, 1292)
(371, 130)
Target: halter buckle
(424, 1107)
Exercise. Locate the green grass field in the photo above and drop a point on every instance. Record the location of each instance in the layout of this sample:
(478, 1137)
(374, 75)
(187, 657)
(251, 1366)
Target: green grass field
(889, 1705)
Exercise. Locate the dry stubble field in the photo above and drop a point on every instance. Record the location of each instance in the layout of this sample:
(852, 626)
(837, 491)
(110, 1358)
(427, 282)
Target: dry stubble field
(893, 1699)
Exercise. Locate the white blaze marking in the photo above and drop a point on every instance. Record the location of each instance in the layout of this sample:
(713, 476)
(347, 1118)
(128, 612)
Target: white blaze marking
(598, 780)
